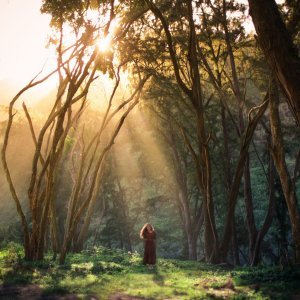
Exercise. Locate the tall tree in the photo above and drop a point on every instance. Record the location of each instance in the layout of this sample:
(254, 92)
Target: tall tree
(194, 92)
(287, 182)
(279, 50)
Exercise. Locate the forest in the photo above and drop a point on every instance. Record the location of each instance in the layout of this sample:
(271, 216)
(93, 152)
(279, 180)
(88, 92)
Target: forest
(184, 114)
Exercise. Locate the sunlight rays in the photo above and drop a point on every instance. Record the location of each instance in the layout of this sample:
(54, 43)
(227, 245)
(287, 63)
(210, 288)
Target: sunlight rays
(104, 44)
(150, 160)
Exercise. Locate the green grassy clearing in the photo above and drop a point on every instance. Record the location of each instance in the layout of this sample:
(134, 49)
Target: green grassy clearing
(103, 272)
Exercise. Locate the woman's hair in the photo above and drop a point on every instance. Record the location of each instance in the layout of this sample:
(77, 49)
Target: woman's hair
(144, 228)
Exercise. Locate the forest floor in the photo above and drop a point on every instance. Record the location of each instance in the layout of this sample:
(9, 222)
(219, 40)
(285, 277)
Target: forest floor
(111, 274)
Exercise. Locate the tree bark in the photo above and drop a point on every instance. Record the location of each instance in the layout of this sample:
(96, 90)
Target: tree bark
(123, 210)
(228, 181)
(234, 189)
(191, 226)
(279, 159)
(256, 250)
(279, 50)
(252, 230)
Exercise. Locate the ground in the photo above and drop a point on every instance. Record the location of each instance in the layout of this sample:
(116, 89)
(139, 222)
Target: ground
(102, 273)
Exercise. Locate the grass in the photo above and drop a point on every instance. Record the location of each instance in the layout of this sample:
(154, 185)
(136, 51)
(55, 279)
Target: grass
(103, 272)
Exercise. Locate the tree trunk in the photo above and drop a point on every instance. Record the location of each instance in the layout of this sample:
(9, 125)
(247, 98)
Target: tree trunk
(78, 243)
(235, 245)
(123, 209)
(228, 181)
(192, 246)
(190, 229)
(204, 162)
(234, 189)
(54, 231)
(240, 101)
(279, 159)
(255, 254)
(195, 96)
(279, 50)
(252, 231)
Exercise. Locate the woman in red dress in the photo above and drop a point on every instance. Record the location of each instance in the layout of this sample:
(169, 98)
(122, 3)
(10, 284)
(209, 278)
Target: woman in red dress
(148, 234)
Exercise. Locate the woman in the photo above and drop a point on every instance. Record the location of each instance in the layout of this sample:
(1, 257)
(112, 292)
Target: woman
(148, 234)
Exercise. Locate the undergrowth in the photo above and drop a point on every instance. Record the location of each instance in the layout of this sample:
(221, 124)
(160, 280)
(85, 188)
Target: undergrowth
(104, 272)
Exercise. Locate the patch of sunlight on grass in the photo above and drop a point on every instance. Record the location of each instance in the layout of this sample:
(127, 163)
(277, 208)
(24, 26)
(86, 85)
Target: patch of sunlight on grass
(75, 283)
(159, 285)
(82, 266)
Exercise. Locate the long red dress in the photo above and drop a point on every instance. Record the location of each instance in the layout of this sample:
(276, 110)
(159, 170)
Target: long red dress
(150, 248)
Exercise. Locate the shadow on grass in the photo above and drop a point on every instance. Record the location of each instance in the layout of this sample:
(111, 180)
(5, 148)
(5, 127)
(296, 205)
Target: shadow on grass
(272, 282)
(157, 277)
(19, 275)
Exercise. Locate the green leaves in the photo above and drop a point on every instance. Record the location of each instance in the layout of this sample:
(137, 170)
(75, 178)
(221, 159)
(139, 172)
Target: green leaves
(64, 11)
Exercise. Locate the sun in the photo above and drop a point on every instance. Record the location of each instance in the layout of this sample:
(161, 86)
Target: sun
(104, 44)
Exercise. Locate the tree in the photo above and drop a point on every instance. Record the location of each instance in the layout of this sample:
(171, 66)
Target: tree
(287, 183)
(279, 50)
(194, 93)
(77, 67)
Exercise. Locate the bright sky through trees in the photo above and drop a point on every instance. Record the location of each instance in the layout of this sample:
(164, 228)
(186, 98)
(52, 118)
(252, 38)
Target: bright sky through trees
(23, 32)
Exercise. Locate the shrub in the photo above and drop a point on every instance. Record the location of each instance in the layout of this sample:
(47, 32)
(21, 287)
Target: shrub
(13, 255)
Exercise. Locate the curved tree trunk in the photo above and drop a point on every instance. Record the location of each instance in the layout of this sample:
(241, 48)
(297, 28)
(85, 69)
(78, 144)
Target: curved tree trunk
(234, 189)
(279, 159)
(279, 50)
(194, 93)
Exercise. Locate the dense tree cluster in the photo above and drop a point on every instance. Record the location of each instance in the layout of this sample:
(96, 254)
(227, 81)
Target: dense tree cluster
(199, 133)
